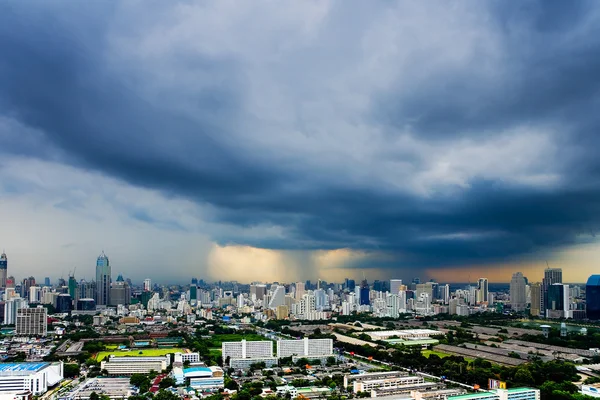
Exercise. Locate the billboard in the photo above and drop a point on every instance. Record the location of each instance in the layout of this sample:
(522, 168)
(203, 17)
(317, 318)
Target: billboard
(496, 384)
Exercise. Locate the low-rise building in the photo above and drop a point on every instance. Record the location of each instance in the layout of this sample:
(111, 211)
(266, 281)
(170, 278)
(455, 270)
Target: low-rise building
(114, 388)
(125, 366)
(369, 385)
(36, 378)
(502, 394)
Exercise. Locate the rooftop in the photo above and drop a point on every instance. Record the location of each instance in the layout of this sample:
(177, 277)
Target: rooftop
(21, 367)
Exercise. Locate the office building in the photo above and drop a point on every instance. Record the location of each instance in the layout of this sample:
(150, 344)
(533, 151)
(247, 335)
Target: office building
(126, 366)
(120, 292)
(35, 294)
(64, 303)
(364, 293)
(147, 285)
(305, 348)
(482, 291)
(535, 290)
(103, 277)
(518, 299)
(85, 305)
(258, 292)
(551, 276)
(350, 284)
(557, 301)
(3, 270)
(32, 322)
(73, 292)
(27, 283)
(36, 378)
(86, 290)
(244, 353)
(592, 297)
(395, 285)
(47, 281)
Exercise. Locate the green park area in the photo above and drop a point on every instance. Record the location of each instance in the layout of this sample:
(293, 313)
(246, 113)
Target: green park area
(441, 354)
(138, 353)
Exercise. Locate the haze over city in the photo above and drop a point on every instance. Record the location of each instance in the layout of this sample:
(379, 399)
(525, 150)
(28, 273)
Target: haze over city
(302, 140)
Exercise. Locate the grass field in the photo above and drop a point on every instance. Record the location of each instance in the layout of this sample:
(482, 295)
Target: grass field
(136, 353)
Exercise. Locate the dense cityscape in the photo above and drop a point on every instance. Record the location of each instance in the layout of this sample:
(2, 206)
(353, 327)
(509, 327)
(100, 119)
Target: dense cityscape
(299, 200)
(112, 338)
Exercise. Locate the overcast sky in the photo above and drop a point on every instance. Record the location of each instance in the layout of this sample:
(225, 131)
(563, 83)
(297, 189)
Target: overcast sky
(270, 140)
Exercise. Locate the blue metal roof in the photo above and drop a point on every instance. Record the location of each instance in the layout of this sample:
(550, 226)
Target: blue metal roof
(593, 280)
(21, 367)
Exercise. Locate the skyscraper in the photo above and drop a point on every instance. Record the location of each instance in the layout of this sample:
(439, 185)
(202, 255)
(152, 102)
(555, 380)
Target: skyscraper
(551, 276)
(120, 293)
(482, 291)
(536, 299)
(73, 288)
(557, 305)
(592, 297)
(3, 270)
(518, 299)
(103, 280)
(364, 294)
(395, 285)
(147, 284)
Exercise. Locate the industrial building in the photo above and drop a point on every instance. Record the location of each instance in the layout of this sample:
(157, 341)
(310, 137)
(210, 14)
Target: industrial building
(36, 378)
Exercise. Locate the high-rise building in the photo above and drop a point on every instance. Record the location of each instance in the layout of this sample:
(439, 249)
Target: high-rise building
(350, 284)
(64, 303)
(592, 297)
(557, 305)
(518, 299)
(3, 270)
(32, 321)
(120, 293)
(86, 290)
(551, 276)
(482, 291)
(27, 283)
(11, 308)
(35, 294)
(147, 285)
(277, 297)
(395, 285)
(536, 299)
(258, 291)
(300, 290)
(364, 293)
(73, 288)
(103, 280)
(47, 281)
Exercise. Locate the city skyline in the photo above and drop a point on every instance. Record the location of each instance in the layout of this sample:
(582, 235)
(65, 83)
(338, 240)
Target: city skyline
(311, 140)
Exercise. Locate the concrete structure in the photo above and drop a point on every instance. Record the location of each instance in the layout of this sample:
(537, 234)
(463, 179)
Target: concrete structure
(114, 388)
(369, 385)
(32, 322)
(244, 353)
(592, 297)
(305, 348)
(551, 276)
(482, 291)
(3, 270)
(120, 292)
(192, 358)
(395, 285)
(408, 334)
(502, 394)
(536, 299)
(350, 379)
(200, 377)
(11, 307)
(34, 377)
(103, 276)
(518, 299)
(125, 366)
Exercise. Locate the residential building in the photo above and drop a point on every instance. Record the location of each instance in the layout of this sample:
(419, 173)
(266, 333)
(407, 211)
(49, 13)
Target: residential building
(120, 292)
(32, 322)
(395, 285)
(244, 353)
(11, 307)
(305, 348)
(482, 291)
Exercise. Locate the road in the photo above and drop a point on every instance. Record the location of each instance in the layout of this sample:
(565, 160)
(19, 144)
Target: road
(423, 374)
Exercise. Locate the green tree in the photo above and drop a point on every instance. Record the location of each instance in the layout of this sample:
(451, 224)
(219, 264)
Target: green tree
(165, 395)
(167, 382)
(71, 370)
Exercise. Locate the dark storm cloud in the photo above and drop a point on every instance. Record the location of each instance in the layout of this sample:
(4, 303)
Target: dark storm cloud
(59, 83)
